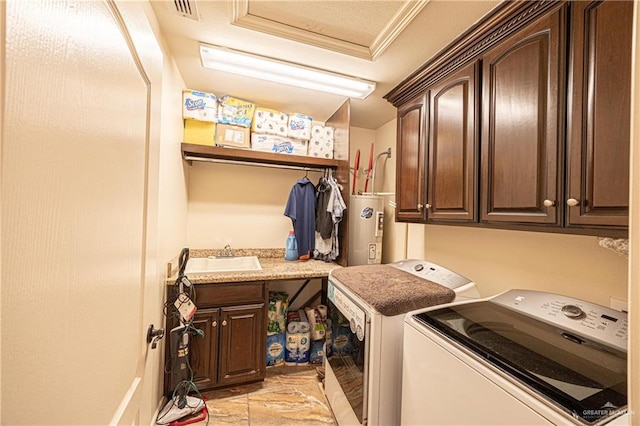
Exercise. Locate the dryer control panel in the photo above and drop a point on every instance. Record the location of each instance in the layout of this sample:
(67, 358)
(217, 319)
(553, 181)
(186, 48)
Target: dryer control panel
(593, 321)
(433, 272)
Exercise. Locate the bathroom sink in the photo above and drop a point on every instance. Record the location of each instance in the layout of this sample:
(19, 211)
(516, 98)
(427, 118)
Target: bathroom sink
(219, 265)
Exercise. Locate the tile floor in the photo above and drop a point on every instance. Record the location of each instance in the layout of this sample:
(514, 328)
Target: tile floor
(288, 396)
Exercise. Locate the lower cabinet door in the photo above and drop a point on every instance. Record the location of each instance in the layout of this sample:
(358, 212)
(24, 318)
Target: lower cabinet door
(203, 356)
(242, 355)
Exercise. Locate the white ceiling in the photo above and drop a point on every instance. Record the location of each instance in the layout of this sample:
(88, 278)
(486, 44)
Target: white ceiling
(382, 41)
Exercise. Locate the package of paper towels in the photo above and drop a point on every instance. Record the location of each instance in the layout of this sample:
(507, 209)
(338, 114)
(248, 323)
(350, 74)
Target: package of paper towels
(270, 122)
(278, 144)
(321, 143)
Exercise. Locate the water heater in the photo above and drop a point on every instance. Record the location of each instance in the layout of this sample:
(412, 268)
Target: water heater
(366, 220)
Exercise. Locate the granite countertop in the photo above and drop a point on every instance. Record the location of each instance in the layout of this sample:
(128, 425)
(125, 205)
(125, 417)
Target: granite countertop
(274, 267)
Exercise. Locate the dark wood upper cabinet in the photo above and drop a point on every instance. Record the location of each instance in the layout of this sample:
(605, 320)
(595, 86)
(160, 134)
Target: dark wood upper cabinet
(410, 162)
(522, 124)
(599, 120)
(452, 158)
(525, 124)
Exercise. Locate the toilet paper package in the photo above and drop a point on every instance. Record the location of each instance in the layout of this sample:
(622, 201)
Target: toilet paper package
(297, 339)
(270, 122)
(321, 142)
(278, 144)
(299, 126)
(235, 111)
(297, 343)
(200, 106)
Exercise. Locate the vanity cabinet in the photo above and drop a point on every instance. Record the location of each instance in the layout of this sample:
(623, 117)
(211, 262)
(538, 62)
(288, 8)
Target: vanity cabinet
(231, 350)
(522, 117)
(410, 165)
(526, 124)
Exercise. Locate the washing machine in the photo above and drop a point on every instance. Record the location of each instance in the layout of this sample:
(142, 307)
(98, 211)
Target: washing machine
(367, 305)
(519, 358)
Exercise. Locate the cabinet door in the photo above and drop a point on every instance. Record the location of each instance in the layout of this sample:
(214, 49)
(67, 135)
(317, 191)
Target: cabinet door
(242, 344)
(451, 183)
(203, 356)
(411, 161)
(599, 113)
(522, 124)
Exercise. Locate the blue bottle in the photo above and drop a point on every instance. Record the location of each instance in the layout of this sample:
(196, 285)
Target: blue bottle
(291, 247)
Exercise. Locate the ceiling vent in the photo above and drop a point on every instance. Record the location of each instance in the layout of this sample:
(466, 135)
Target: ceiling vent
(184, 8)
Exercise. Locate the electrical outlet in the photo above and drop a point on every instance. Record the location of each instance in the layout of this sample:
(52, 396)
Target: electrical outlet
(619, 305)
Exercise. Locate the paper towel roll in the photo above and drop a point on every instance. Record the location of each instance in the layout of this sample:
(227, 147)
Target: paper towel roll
(316, 324)
(304, 327)
(323, 311)
(304, 347)
(291, 348)
(328, 132)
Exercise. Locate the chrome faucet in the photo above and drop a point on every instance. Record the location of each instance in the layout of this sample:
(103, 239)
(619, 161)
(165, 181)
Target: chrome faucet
(226, 252)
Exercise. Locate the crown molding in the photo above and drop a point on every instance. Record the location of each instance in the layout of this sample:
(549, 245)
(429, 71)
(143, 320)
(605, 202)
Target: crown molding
(242, 18)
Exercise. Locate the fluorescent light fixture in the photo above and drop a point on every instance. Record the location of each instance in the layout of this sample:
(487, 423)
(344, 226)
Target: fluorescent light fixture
(255, 66)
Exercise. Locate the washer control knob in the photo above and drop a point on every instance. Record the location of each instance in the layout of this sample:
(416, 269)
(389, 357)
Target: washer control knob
(419, 267)
(572, 311)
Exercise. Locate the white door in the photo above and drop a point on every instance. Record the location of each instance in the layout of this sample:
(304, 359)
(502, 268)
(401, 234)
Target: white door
(79, 206)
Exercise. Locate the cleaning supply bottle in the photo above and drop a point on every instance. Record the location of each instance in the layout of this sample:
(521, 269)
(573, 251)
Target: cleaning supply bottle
(291, 252)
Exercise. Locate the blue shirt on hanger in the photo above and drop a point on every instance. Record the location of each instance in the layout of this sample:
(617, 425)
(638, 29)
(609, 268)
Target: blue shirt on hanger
(301, 209)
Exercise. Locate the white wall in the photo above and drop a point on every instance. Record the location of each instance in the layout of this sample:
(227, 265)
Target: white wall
(172, 199)
(244, 205)
(174, 173)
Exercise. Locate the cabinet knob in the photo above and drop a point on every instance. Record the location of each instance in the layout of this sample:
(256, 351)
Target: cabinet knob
(549, 203)
(215, 323)
(224, 322)
(572, 202)
(427, 206)
(420, 206)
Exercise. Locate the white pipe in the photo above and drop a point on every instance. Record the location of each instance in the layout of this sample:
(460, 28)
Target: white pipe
(373, 172)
